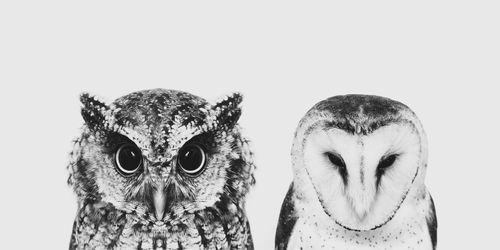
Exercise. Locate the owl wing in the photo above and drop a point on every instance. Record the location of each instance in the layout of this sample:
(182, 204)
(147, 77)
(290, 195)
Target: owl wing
(432, 223)
(72, 243)
(249, 243)
(286, 221)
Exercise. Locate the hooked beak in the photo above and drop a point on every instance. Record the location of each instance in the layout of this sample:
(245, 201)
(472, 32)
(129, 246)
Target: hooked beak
(159, 201)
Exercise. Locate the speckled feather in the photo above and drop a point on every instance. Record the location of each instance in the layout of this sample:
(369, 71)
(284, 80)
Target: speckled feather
(315, 230)
(205, 211)
(305, 223)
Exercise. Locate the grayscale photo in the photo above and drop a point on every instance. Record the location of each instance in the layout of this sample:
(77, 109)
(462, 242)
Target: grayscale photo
(249, 125)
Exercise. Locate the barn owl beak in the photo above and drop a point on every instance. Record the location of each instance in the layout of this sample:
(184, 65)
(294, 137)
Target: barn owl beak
(362, 195)
(159, 200)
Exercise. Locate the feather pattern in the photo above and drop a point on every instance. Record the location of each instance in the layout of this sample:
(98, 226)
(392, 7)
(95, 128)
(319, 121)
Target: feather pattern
(160, 205)
(359, 165)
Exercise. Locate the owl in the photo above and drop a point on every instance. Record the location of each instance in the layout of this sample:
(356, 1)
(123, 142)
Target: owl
(359, 165)
(161, 169)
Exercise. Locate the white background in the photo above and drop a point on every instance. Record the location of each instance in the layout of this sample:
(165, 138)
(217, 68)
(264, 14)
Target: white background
(441, 58)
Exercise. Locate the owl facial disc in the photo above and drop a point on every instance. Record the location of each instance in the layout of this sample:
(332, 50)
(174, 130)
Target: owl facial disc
(361, 155)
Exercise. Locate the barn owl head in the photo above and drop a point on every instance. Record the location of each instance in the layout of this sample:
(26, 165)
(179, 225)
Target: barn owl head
(360, 155)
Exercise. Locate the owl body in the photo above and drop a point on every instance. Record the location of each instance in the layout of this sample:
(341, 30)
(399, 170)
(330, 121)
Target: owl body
(359, 166)
(100, 226)
(161, 169)
(310, 228)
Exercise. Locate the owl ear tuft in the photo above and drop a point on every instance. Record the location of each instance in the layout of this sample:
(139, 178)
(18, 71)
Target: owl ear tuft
(93, 111)
(228, 110)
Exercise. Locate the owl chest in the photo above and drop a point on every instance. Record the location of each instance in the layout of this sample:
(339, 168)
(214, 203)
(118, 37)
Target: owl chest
(309, 234)
(128, 232)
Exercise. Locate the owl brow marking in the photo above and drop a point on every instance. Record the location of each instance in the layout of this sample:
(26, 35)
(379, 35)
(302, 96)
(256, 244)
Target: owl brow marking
(362, 177)
(362, 164)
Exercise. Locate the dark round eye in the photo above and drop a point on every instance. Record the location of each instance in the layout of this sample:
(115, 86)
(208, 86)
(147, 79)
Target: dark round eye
(128, 159)
(191, 158)
(387, 162)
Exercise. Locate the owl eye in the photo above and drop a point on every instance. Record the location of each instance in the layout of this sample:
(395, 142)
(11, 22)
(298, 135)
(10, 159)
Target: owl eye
(128, 159)
(336, 160)
(339, 163)
(191, 158)
(387, 162)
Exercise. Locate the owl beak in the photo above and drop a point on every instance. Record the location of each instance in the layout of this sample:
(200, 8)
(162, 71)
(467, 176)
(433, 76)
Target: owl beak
(362, 196)
(159, 199)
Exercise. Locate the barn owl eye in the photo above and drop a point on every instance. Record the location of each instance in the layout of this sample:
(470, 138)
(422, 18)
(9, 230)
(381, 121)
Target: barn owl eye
(339, 163)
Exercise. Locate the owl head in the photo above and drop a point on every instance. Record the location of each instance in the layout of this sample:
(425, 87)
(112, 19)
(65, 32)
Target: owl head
(359, 157)
(161, 153)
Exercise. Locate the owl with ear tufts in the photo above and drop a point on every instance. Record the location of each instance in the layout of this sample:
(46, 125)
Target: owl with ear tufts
(161, 169)
(359, 165)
